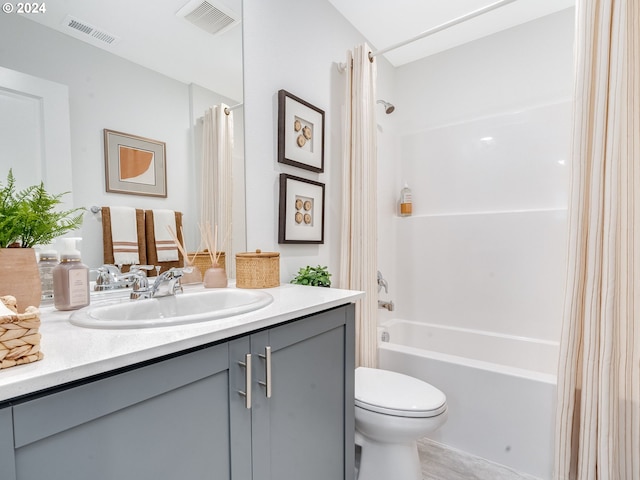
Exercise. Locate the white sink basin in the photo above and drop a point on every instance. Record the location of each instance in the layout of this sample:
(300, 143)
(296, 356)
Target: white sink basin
(171, 310)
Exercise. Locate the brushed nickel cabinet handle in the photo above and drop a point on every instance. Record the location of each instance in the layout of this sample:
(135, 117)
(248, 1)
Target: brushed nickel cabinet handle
(267, 369)
(247, 380)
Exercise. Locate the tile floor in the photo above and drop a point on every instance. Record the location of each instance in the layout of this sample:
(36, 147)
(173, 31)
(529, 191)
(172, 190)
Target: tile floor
(440, 462)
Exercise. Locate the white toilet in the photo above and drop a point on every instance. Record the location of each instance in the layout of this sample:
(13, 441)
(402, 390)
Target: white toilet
(392, 411)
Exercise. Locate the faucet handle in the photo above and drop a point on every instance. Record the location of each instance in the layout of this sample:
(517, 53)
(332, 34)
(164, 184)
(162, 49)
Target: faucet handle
(111, 269)
(180, 271)
(140, 282)
(168, 282)
(175, 285)
(103, 277)
(382, 283)
(176, 272)
(107, 274)
(142, 269)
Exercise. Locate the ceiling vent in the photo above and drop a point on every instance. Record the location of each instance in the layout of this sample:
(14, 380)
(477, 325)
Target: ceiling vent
(214, 19)
(85, 31)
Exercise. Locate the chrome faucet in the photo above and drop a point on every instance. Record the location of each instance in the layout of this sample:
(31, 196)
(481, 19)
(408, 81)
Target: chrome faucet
(111, 278)
(167, 283)
(382, 283)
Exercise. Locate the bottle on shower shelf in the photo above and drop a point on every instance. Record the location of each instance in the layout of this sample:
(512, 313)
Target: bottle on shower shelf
(406, 205)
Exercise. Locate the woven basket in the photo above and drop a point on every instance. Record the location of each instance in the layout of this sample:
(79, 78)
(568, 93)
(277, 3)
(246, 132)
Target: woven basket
(257, 269)
(202, 261)
(19, 337)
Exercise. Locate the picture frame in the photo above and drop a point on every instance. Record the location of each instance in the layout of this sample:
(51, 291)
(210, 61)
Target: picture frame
(300, 133)
(301, 213)
(134, 165)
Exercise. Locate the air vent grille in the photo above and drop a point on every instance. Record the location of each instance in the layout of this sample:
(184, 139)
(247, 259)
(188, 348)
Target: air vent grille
(211, 18)
(86, 31)
(81, 27)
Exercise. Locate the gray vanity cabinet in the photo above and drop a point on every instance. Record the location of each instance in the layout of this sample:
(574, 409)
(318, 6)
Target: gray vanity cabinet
(167, 420)
(301, 410)
(201, 415)
(7, 465)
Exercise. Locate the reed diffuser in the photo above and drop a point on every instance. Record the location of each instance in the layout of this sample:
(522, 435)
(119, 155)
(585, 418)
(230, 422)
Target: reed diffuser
(214, 277)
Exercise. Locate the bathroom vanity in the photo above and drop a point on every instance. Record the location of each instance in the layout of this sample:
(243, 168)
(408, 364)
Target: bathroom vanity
(265, 395)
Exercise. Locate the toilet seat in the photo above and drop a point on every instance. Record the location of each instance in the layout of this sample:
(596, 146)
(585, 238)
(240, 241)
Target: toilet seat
(392, 393)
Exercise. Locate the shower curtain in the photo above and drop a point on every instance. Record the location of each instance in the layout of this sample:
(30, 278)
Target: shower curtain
(358, 261)
(598, 415)
(217, 179)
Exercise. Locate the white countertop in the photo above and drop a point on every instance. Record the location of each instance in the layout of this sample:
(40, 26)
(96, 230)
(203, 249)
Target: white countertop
(72, 353)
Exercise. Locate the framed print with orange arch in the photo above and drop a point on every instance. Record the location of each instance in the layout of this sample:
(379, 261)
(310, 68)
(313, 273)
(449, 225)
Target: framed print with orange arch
(134, 165)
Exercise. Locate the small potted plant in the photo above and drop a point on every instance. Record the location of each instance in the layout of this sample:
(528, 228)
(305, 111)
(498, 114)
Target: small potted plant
(315, 276)
(27, 218)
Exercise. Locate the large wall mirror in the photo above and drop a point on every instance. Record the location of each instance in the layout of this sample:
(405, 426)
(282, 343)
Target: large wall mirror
(148, 68)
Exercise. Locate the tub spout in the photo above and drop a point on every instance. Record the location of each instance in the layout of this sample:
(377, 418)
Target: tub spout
(388, 305)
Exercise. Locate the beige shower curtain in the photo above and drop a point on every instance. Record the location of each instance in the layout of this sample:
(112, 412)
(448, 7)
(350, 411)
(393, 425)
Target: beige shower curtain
(358, 262)
(598, 415)
(217, 179)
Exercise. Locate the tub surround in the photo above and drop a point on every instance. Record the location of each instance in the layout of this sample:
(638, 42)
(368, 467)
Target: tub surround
(72, 353)
(514, 404)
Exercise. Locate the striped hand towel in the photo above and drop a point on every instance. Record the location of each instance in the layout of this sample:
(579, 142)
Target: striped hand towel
(124, 235)
(165, 246)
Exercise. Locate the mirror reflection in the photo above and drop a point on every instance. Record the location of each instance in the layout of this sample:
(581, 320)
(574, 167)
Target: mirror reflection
(149, 69)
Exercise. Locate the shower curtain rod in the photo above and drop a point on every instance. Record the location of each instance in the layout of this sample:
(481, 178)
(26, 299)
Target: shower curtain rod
(443, 26)
(227, 110)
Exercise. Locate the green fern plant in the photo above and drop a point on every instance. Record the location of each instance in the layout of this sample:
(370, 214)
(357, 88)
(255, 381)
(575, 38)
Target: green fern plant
(28, 217)
(315, 276)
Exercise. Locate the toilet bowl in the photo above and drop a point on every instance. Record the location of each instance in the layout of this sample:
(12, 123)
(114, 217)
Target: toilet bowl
(392, 411)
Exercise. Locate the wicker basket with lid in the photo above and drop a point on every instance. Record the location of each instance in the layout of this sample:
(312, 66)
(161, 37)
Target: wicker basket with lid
(19, 336)
(257, 269)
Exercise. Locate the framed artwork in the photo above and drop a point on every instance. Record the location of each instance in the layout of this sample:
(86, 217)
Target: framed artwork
(134, 165)
(300, 133)
(301, 218)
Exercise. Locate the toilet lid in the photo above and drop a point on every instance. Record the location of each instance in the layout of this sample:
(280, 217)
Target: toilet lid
(393, 393)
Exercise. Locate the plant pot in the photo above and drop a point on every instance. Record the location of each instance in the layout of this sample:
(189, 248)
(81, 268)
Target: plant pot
(20, 276)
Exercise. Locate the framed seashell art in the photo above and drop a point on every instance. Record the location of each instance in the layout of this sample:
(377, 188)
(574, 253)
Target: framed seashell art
(300, 133)
(301, 217)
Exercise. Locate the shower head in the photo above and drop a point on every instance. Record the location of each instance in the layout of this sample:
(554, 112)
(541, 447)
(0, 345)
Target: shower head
(388, 108)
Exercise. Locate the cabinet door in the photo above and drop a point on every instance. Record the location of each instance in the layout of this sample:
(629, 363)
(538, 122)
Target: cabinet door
(305, 429)
(167, 420)
(7, 462)
(240, 409)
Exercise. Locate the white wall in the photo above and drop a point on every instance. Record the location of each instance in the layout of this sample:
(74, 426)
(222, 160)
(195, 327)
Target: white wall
(106, 91)
(292, 45)
(485, 247)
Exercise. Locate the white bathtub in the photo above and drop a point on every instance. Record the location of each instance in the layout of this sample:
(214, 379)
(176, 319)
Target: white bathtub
(501, 389)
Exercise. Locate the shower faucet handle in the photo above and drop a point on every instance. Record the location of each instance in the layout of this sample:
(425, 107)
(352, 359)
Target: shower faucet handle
(382, 283)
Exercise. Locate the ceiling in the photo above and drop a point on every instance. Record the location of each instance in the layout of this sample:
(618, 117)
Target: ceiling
(388, 22)
(151, 34)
